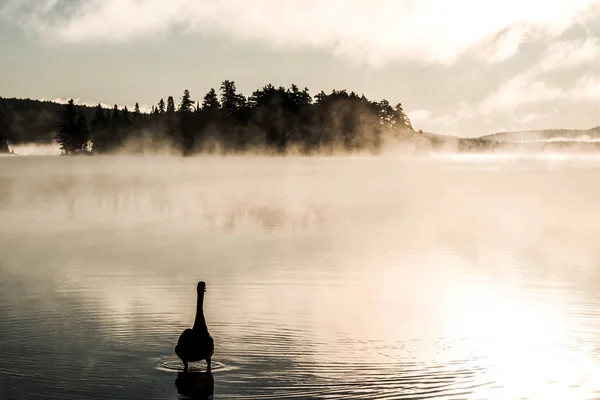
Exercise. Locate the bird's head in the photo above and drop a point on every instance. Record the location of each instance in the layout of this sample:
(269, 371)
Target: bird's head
(201, 286)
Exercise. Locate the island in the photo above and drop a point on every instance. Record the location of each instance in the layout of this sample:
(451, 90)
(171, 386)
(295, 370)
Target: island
(272, 120)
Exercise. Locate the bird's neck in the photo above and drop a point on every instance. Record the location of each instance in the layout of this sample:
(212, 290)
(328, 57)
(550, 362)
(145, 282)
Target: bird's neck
(200, 322)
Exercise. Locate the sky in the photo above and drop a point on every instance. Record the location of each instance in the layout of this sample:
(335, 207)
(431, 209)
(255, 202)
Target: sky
(461, 67)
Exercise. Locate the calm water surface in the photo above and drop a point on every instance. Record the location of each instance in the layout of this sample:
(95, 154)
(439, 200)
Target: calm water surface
(341, 278)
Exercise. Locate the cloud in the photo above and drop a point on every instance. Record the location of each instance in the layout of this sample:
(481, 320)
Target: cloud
(366, 31)
(420, 115)
(569, 54)
(520, 103)
(517, 92)
(504, 45)
(534, 95)
(531, 86)
(425, 120)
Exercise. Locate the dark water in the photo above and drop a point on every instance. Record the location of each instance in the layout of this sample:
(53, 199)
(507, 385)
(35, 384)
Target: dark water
(343, 278)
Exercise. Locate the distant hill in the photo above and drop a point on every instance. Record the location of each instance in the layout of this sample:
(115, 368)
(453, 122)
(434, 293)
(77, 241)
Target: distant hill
(568, 140)
(546, 135)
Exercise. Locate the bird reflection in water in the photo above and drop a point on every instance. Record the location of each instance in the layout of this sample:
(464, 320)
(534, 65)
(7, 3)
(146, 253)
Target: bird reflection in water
(195, 385)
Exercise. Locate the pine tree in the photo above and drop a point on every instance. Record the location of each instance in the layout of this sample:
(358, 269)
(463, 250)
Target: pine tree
(402, 119)
(67, 131)
(186, 124)
(99, 116)
(116, 114)
(3, 144)
(172, 130)
(170, 105)
(161, 106)
(211, 101)
(5, 127)
(98, 129)
(231, 101)
(386, 113)
(125, 114)
(115, 124)
(136, 112)
(82, 134)
(186, 104)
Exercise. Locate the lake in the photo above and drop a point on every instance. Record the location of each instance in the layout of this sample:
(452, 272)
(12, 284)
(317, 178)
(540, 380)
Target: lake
(451, 277)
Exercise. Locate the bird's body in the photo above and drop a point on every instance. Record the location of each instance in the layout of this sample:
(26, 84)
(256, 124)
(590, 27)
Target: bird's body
(196, 344)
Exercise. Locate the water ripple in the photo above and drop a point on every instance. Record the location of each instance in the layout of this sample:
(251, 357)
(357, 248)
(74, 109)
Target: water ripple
(404, 281)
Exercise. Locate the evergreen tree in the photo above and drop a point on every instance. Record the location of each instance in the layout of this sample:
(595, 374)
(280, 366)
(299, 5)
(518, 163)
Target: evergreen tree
(5, 129)
(170, 106)
(186, 105)
(125, 114)
(300, 98)
(67, 131)
(136, 112)
(386, 113)
(99, 128)
(100, 117)
(211, 101)
(3, 144)
(82, 134)
(321, 97)
(231, 101)
(115, 136)
(116, 115)
(161, 106)
(402, 119)
(173, 131)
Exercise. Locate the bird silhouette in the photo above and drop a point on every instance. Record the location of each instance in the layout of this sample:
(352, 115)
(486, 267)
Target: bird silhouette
(196, 344)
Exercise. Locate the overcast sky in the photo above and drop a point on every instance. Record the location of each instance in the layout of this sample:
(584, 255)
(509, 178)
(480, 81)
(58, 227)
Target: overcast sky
(463, 67)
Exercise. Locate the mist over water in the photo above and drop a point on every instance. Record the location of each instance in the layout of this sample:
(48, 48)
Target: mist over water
(450, 276)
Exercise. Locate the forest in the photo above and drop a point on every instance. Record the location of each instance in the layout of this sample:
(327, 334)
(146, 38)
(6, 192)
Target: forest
(272, 119)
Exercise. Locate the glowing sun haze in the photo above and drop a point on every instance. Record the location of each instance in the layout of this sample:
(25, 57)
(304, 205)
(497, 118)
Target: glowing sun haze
(367, 31)
(418, 52)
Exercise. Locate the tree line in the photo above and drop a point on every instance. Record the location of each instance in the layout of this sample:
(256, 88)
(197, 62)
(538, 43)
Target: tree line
(272, 119)
(4, 129)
